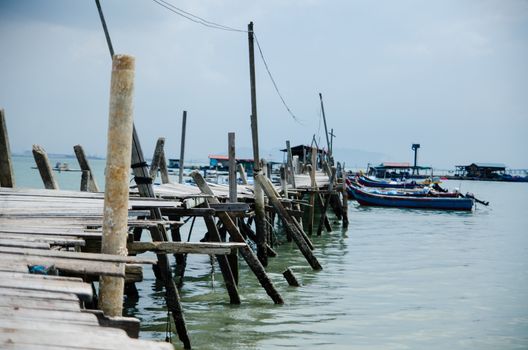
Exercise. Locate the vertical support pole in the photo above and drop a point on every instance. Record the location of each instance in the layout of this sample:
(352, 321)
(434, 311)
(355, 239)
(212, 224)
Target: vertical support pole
(260, 228)
(7, 177)
(182, 147)
(156, 158)
(85, 179)
(233, 197)
(284, 181)
(326, 201)
(290, 171)
(44, 167)
(312, 168)
(115, 219)
(326, 128)
(232, 168)
(345, 198)
(85, 166)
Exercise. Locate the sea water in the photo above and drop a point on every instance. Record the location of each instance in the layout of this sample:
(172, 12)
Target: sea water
(395, 279)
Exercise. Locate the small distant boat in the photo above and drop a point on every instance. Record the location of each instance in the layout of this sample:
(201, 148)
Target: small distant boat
(365, 181)
(61, 166)
(366, 198)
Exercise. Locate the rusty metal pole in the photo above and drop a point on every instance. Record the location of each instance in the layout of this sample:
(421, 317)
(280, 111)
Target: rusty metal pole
(115, 220)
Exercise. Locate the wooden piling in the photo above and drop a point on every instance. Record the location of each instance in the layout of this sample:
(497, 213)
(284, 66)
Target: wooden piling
(44, 167)
(232, 167)
(115, 219)
(266, 185)
(158, 233)
(233, 258)
(290, 170)
(229, 278)
(246, 252)
(156, 158)
(344, 193)
(326, 201)
(182, 147)
(260, 214)
(290, 278)
(85, 166)
(7, 177)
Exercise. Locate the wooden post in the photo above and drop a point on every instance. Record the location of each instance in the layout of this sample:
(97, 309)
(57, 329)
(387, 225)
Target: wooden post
(288, 221)
(290, 170)
(260, 214)
(246, 252)
(163, 169)
(232, 168)
(182, 147)
(158, 233)
(85, 179)
(242, 173)
(326, 129)
(233, 195)
(44, 167)
(115, 219)
(326, 201)
(314, 189)
(85, 166)
(229, 279)
(290, 277)
(7, 177)
(156, 158)
(284, 181)
(345, 198)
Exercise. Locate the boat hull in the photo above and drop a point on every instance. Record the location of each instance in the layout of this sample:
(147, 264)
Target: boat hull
(440, 203)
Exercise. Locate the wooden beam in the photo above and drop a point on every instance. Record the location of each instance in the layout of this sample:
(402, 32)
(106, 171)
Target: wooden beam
(184, 247)
(44, 167)
(7, 177)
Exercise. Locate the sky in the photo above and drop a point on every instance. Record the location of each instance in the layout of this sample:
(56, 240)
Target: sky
(451, 75)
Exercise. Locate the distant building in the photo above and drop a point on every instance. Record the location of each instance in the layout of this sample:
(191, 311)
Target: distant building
(481, 170)
(305, 153)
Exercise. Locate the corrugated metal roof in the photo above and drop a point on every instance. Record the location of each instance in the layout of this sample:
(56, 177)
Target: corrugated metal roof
(490, 165)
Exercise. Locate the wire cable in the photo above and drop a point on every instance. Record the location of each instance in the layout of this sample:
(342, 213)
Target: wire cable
(202, 21)
(274, 83)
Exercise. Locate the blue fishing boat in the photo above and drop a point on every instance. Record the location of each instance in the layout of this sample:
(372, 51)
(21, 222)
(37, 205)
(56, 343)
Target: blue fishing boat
(365, 181)
(382, 200)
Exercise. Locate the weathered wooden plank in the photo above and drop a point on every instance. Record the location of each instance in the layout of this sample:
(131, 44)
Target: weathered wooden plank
(79, 338)
(45, 283)
(39, 315)
(184, 247)
(39, 303)
(89, 267)
(50, 240)
(37, 294)
(78, 255)
(23, 244)
(44, 167)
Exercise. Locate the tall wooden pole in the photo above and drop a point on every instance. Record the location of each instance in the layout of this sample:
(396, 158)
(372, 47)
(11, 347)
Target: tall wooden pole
(326, 128)
(260, 214)
(291, 174)
(232, 168)
(7, 177)
(182, 147)
(115, 220)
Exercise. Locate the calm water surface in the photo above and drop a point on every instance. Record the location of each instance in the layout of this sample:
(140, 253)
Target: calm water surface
(396, 279)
